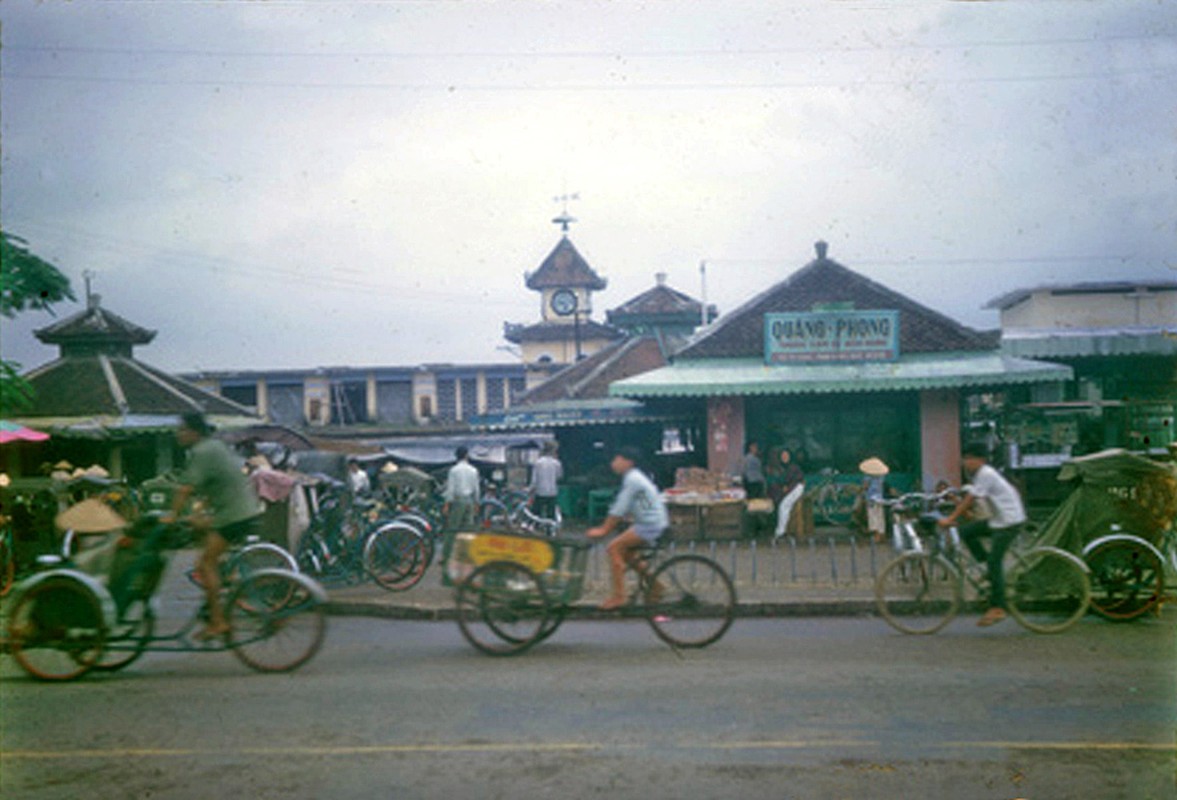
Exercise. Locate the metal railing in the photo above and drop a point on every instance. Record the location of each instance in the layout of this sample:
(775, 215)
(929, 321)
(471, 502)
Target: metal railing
(823, 559)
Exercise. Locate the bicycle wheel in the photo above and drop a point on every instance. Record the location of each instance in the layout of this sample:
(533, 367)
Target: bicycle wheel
(394, 555)
(502, 609)
(689, 601)
(258, 556)
(1047, 589)
(276, 621)
(129, 638)
(56, 631)
(7, 567)
(1127, 578)
(918, 593)
(423, 527)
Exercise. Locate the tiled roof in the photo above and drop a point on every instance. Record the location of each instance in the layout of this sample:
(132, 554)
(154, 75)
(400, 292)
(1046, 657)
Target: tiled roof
(591, 376)
(95, 326)
(117, 386)
(659, 304)
(565, 266)
(921, 330)
(559, 332)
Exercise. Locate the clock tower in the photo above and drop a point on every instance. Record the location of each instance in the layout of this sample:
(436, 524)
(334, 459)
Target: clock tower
(566, 331)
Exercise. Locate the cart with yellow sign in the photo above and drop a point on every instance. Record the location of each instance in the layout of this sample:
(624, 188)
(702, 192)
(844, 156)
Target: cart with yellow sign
(513, 589)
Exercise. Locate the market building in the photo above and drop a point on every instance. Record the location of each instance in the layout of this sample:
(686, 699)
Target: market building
(423, 395)
(837, 368)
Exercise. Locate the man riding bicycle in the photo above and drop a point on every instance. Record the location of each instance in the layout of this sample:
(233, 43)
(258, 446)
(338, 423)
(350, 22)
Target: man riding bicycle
(1003, 523)
(640, 501)
(214, 475)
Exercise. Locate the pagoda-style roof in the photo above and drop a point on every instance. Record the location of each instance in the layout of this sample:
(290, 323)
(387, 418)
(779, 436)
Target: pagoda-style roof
(559, 332)
(740, 334)
(95, 330)
(96, 384)
(659, 307)
(565, 267)
(116, 386)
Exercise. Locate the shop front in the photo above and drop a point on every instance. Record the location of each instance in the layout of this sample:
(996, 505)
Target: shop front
(837, 368)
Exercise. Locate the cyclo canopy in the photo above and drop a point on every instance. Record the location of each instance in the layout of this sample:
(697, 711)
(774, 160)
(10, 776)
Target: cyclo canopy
(1113, 487)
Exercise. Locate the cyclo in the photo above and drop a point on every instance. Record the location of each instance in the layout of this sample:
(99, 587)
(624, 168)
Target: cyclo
(63, 622)
(513, 589)
(1121, 518)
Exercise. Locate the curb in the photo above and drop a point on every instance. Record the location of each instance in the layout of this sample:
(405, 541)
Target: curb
(808, 608)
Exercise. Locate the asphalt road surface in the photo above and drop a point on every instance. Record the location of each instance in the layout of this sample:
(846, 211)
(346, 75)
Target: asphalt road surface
(798, 708)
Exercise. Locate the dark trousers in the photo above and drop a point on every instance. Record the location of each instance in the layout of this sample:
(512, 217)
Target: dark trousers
(971, 534)
(544, 507)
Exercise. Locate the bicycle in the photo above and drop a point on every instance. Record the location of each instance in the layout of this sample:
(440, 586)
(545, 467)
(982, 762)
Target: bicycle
(513, 590)
(343, 545)
(833, 500)
(922, 590)
(64, 622)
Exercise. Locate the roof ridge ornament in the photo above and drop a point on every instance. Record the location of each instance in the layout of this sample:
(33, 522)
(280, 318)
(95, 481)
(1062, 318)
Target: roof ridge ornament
(822, 248)
(564, 219)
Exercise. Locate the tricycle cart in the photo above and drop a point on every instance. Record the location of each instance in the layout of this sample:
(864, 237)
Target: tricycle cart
(513, 590)
(1120, 519)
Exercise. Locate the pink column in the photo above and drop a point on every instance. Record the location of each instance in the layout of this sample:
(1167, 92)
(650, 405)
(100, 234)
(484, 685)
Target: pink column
(725, 433)
(940, 437)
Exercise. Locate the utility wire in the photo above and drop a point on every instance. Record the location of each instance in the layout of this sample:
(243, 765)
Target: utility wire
(455, 86)
(588, 54)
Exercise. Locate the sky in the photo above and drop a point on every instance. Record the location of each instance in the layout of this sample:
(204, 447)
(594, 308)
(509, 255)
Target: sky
(307, 184)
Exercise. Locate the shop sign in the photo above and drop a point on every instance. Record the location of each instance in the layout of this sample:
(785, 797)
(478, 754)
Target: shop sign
(831, 336)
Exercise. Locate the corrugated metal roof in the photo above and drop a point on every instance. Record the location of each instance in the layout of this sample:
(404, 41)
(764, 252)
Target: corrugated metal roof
(1091, 342)
(748, 376)
(564, 413)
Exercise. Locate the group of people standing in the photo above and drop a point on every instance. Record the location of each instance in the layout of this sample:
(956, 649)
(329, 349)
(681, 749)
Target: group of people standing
(783, 481)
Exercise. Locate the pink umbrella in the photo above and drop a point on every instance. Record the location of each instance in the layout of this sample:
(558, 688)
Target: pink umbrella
(11, 432)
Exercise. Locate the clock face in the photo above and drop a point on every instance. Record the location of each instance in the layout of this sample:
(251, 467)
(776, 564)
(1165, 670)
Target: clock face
(563, 302)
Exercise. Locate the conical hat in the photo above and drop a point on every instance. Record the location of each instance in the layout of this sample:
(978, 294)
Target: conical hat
(874, 467)
(90, 516)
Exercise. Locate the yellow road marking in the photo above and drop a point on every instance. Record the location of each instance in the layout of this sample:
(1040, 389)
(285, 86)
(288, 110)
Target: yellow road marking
(554, 747)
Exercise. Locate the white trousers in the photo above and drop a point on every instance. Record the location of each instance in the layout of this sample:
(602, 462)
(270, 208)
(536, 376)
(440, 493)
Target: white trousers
(786, 508)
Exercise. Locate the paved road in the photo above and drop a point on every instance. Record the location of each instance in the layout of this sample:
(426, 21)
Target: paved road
(831, 708)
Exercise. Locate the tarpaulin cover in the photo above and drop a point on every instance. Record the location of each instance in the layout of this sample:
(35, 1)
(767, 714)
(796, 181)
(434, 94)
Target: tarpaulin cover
(1113, 487)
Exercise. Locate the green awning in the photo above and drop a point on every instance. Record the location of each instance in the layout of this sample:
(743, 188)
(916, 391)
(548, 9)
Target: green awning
(750, 376)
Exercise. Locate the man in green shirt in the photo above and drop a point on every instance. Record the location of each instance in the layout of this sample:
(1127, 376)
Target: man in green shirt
(214, 475)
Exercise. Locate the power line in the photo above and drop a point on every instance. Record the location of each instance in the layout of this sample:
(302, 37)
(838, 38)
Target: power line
(584, 54)
(322, 278)
(455, 86)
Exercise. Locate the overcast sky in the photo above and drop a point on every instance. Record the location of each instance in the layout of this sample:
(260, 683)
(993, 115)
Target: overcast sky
(298, 184)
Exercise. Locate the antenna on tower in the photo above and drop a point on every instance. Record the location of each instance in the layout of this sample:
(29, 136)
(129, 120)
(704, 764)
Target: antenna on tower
(565, 219)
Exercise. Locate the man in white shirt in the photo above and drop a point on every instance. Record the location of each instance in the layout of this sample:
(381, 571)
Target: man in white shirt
(1004, 523)
(461, 493)
(545, 480)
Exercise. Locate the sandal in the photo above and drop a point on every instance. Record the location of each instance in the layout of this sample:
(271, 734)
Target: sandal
(210, 633)
(991, 617)
(611, 605)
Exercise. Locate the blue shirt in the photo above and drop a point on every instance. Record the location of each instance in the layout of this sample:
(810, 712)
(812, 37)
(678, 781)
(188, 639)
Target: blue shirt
(640, 500)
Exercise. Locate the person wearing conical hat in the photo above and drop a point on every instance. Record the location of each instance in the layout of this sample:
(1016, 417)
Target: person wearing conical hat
(868, 512)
